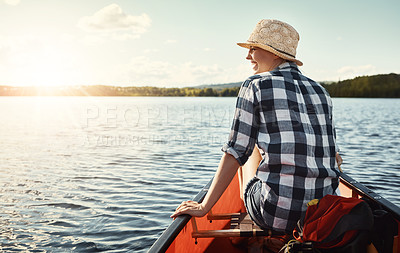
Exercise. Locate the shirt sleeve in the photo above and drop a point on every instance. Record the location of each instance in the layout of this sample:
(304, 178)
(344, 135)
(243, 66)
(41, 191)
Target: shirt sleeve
(245, 126)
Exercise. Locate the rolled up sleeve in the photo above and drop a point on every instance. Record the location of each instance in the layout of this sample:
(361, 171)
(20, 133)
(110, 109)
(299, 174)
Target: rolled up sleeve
(245, 126)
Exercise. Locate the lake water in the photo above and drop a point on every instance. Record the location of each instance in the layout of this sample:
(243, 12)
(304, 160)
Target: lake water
(88, 174)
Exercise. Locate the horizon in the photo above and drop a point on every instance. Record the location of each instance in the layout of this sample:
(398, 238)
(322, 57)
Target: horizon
(133, 43)
(196, 86)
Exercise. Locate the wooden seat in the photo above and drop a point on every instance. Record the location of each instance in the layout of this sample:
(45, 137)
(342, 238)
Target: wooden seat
(241, 225)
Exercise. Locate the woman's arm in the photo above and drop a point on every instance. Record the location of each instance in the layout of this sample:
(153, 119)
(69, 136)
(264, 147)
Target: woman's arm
(227, 169)
(249, 170)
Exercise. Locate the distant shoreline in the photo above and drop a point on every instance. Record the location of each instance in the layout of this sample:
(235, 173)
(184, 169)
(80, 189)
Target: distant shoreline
(101, 90)
(377, 86)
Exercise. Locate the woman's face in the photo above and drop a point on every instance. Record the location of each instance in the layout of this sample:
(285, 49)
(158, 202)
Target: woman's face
(262, 60)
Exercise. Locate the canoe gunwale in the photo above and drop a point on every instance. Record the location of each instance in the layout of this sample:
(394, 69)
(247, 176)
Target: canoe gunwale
(169, 235)
(364, 191)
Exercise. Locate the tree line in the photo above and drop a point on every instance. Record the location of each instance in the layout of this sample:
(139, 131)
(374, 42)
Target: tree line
(378, 86)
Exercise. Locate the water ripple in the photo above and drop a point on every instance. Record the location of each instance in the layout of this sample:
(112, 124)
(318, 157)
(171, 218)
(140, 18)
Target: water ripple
(73, 185)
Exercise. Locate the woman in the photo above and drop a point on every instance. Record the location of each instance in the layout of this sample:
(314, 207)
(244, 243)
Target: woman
(282, 138)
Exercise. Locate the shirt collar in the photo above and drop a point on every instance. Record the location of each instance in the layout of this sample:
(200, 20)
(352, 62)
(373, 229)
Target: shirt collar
(286, 66)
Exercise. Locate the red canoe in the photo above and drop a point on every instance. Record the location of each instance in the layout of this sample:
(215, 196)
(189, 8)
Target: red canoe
(211, 233)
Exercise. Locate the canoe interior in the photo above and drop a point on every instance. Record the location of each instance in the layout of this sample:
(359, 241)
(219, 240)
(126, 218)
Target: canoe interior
(178, 236)
(229, 202)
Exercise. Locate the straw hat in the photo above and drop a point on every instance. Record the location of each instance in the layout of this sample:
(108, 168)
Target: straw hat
(276, 37)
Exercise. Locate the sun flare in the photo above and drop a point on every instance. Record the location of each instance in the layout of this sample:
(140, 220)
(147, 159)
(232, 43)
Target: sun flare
(49, 67)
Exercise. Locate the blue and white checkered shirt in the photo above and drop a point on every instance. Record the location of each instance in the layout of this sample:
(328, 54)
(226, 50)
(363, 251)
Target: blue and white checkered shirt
(289, 117)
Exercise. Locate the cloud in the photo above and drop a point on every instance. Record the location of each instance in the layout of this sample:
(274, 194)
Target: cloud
(353, 71)
(12, 2)
(148, 51)
(144, 71)
(111, 20)
(170, 41)
(91, 40)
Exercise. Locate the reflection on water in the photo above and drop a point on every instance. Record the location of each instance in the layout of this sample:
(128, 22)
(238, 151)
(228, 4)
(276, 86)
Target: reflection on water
(92, 174)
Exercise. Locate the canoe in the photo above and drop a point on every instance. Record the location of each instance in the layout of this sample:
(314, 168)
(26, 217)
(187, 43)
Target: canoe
(206, 234)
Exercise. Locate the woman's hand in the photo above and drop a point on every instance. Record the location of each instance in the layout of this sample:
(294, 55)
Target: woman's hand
(339, 161)
(189, 207)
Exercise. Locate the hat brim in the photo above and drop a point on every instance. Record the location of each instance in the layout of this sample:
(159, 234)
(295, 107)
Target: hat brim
(272, 50)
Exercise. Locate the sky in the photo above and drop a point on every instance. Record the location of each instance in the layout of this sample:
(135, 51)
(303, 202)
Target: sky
(180, 43)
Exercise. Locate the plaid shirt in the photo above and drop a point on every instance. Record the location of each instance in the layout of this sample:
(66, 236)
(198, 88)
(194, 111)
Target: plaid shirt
(289, 117)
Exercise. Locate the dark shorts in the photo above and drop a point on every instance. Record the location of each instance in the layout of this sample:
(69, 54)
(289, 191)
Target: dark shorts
(252, 201)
